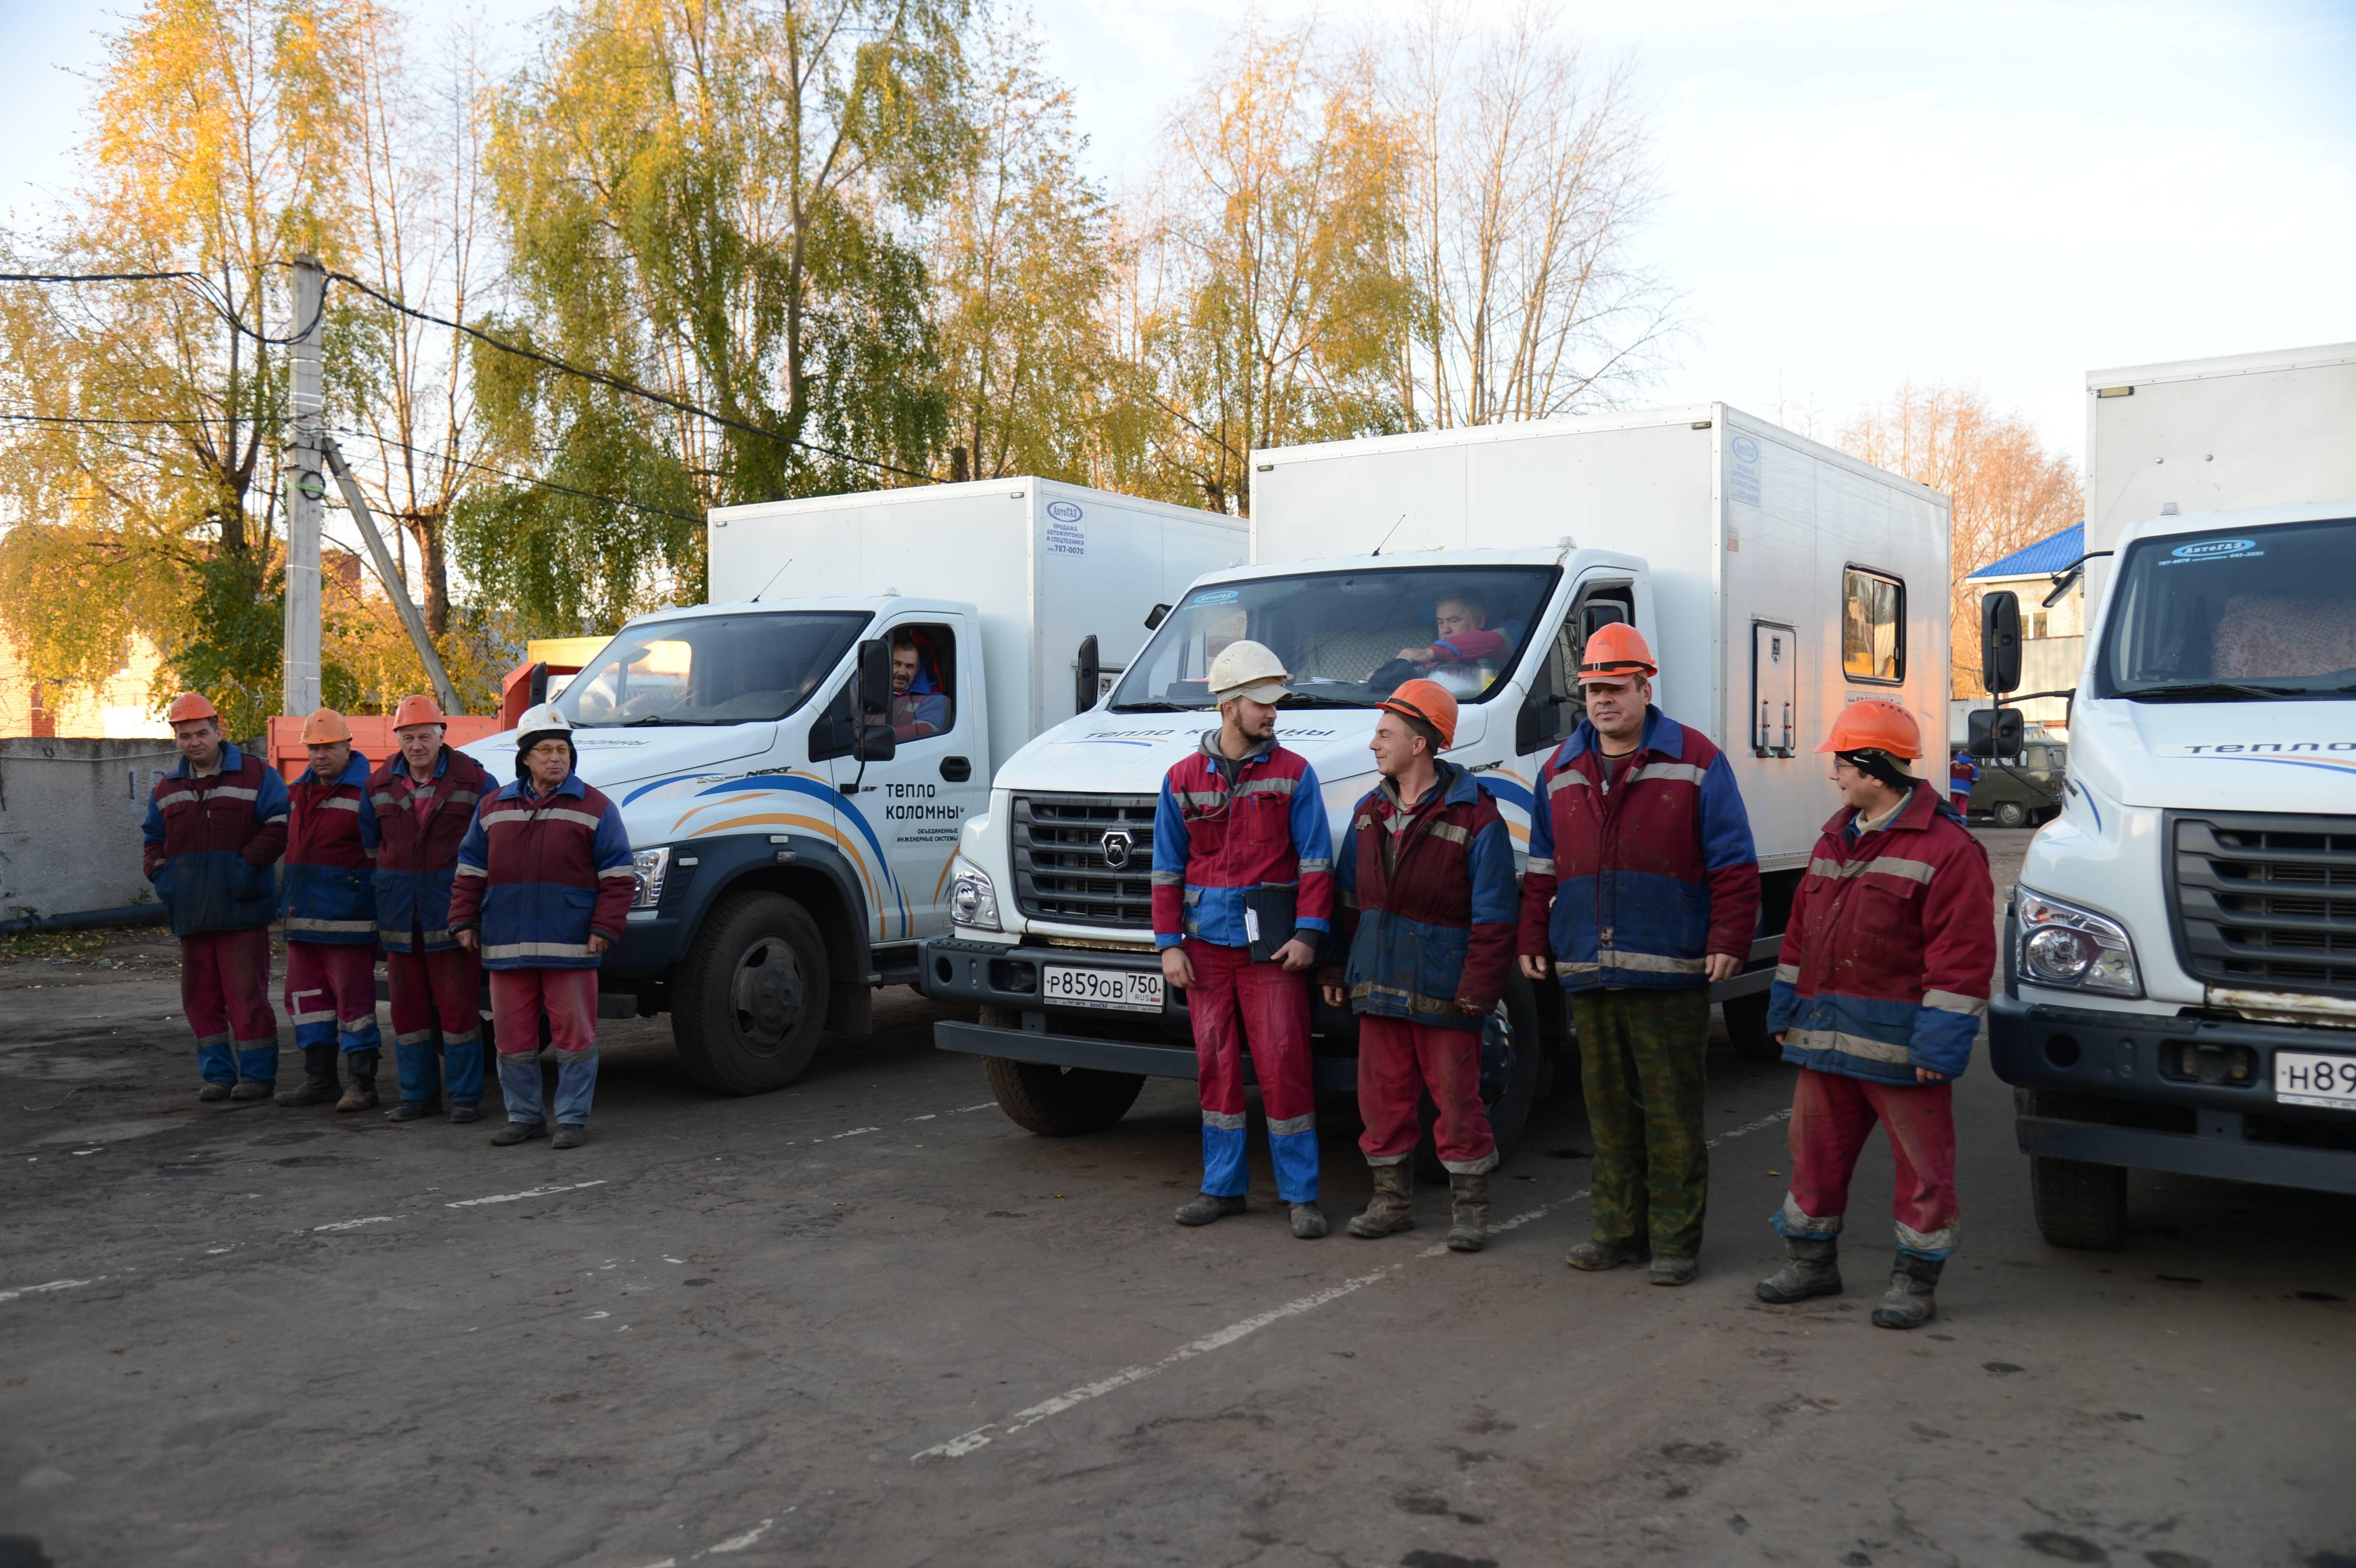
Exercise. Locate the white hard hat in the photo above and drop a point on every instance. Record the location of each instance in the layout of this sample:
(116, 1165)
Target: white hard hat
(537, 721)
(1248, 669)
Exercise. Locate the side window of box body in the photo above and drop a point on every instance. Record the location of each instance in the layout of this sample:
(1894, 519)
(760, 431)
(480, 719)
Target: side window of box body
(1873, 626)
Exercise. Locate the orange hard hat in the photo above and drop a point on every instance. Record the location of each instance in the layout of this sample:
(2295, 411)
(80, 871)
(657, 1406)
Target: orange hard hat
(189, 705)
(418, 710)
(1616, 651)
(1876, 724)
(325, 728)
(1427, 701)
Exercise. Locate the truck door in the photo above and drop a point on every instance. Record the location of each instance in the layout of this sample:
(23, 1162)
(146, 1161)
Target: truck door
(1553, 709)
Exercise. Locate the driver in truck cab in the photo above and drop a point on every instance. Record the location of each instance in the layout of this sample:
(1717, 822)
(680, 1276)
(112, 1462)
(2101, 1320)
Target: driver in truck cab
(1243, 891)
(918, 707)
(1462, 636)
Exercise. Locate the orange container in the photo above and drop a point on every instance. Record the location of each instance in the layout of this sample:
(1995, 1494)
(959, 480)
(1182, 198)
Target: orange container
(371, 736)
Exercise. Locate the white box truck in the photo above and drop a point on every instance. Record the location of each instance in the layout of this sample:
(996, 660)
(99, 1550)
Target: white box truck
(1775, 579)
(792, 799)
(2180, 986)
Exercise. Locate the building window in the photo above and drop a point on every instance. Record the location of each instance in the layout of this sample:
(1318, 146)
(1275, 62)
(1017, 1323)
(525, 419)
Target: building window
(2037, 623)
(1873, 626)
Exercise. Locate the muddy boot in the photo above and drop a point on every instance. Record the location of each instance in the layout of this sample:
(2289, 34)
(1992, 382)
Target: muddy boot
(1670, 1269)
(570, 1135)
(1814, 1270)
(1206, 1207)
(411, 1110)
(1594, 1256)
(1391, 1209)
(464, 1111)
(516, 1132)
(1468, 1230)
(1907, 1303)
(361, 1095)
(251, 1089)
(318, 1086)
(216, 1092)
(1308, 1222)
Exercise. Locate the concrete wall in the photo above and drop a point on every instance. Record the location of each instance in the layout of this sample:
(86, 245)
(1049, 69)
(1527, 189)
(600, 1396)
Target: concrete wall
(69, 816)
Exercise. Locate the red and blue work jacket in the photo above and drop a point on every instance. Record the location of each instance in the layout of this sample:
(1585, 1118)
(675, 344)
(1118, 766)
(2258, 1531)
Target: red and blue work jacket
(210, 843)
(1892, 941)
(330, 852)
(1426, 903)
(1226, 827)
(540, 874)
(419, 827)
(1634, 881)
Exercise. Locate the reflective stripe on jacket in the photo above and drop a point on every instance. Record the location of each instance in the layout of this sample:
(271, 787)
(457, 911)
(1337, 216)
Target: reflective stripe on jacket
(419, 831)
(210, 843)
(1891, 947)
(1425, 915)
(538, 874)
(331, 849)
(1224, 827)
(1635, 885)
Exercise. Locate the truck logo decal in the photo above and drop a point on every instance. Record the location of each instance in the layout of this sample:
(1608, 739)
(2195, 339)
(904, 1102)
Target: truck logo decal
(2215, 550)
(1117, 847)
(1065, 511)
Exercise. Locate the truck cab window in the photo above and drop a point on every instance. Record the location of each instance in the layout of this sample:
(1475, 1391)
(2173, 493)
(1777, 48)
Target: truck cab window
(924, 681)
(1873, 626)
(709, 669)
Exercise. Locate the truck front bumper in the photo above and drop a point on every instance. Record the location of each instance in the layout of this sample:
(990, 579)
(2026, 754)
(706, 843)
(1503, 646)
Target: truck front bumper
(2126, 1079)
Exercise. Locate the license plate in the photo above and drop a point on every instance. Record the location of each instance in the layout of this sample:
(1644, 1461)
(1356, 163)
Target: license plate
(2302, 1078)
(1127, 990)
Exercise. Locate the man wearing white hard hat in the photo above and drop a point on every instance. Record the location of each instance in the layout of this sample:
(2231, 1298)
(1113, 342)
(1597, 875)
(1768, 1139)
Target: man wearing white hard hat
(1243, 891)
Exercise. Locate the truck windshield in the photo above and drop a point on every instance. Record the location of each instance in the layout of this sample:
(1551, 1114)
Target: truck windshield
(2252, 615)
(1349, 638)
(712, 669)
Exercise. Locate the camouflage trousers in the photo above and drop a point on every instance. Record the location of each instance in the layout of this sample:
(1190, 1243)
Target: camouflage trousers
(1640, 1055)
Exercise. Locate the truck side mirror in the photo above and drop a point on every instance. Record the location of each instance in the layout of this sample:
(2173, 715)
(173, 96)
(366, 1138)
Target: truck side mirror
(873, 701)
(2000, 641)
(1994, 732)
(1601, 613)
(1155, 616)
(1086, 674)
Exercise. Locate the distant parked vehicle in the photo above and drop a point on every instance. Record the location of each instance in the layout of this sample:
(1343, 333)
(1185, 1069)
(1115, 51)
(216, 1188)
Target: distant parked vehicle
(2026, 792)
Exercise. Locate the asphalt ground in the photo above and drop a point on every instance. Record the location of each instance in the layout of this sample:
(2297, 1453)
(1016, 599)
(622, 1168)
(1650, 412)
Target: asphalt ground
(868, 1320)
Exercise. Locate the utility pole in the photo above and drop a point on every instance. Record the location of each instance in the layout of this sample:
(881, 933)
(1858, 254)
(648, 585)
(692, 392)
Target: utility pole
(306, 492)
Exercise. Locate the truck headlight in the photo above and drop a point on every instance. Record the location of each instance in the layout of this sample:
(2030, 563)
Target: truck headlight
(973, 900)
(2062, 944)
(649, 866)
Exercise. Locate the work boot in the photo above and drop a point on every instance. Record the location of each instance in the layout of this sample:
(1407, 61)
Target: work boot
(412, 1110)
(570, 1135)
(1909, 1302)
(1392, 1208)
(464, 1111)
(251, 1089)
(1468, 1230)
(1669, 1268)
(1814, 1270)
(1593, 1258)
(1206, 1207)
(216, 1092)
(1308, 1222)
(516, 1132)
(361, 1094)
(319, 1086)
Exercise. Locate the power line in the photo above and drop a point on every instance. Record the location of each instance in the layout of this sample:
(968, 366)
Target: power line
(91, 277)
(149, 420)
(519, 478)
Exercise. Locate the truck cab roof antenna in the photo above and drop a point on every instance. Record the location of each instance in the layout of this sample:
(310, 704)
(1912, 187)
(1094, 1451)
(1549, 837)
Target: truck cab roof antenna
(772, 583)
(1386, 538)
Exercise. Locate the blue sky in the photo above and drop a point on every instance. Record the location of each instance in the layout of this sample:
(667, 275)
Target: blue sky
(1853, 192)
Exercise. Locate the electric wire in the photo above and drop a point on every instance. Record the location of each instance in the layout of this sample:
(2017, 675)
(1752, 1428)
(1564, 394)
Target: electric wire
(428, 452)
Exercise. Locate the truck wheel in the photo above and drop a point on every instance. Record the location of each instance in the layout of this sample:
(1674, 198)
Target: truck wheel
(1746, 1028)
(1056, 1102)
(2010, 814)
(1509, 1109)
(2078, 1205)
(749, 1004)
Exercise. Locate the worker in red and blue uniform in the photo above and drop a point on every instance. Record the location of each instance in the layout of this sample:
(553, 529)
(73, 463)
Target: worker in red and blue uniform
(1426, 906)
(216, 825)
(330, 909)
(425, 799)
(1879, 997)
(1243, 891)
(1642, 892)
(544, 884)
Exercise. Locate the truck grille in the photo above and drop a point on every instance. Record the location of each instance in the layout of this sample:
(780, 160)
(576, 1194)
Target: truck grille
(1062, 870)
(2265, 902)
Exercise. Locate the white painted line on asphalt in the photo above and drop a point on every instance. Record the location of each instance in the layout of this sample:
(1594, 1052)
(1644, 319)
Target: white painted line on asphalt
(743, 1543)
(53, 1284)
(985, 1105)
(355, 1224)
(1783, 1115)
(534, 1192)
(852, 1133)
(957, 1447)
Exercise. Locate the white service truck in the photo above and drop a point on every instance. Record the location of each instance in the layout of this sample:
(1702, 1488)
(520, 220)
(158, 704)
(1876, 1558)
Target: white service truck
(1776, 579)
(2180, 983)
(792, 813)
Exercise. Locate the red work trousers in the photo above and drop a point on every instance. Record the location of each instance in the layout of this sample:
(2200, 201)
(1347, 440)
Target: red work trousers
(331, 994)
(1236, 1003)
(225, 992)
(1832, 1115)
(1398, 1061)
(566, 997)
(439, 989)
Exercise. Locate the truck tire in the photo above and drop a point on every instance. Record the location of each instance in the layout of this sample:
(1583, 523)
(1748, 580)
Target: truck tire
(1509, 1112)
(749, 1004)
(1056, 1102)
(2011, 814)
(2078, 1205)
(1746, 1028)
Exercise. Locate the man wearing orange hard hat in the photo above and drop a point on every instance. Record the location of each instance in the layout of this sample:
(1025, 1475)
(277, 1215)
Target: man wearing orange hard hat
(1637, 900)
(215, 825)
(331, 918)
(425, 800)
(1884, 982)
(1424, 922)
